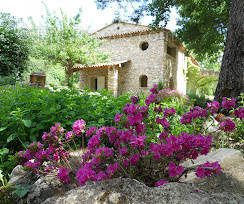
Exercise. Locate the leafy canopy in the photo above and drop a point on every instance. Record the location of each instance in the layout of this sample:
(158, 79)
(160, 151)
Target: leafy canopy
(203, 23)
(14, 46)
(62, 42)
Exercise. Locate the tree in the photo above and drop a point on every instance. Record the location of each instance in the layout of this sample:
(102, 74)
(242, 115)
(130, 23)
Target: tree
(204, 31)
(231, 77)
(14, 47)
(62, 42)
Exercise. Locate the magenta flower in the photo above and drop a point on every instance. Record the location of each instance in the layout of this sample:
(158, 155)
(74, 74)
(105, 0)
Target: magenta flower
(93, 142)
(160, 183)
(91, 131)
(69, 135)
(123, 151)
(134, 159)
(214, 106)
(112, 168)
(228, 103)
(239, 113)
(175, 171)
(169, 112)
(207, 169)
(78, 127)
(63, 175)
(163, 122)
(135, 99)
(227, 125)
(150, 99)
(104, 151)
(137, 141)
(163, 135)
(84, 174)
(100, 176)
(117, 118)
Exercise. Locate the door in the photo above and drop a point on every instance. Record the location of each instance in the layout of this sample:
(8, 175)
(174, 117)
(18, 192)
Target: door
(100, 82)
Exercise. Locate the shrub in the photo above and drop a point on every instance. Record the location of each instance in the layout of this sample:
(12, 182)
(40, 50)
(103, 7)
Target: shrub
(142, 145)
(26, 112)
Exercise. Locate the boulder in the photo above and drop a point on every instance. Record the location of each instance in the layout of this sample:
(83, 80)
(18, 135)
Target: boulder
(225, 187)
(231, 179)
(125, 190)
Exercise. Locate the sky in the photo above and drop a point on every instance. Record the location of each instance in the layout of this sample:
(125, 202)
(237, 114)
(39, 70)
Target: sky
(92, 19)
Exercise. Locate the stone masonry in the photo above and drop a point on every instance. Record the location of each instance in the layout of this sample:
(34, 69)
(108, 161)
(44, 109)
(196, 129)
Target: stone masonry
(162, 60)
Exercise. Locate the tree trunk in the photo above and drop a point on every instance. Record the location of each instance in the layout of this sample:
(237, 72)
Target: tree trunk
(231, 77)
(69, 75)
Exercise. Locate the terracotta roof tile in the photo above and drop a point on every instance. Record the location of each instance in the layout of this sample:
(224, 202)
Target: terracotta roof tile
(100, 65)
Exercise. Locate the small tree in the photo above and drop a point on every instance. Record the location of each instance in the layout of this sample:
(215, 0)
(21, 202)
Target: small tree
(14, 47)
(62, 42)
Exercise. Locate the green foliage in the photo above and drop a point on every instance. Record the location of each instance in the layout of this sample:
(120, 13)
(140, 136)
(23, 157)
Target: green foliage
(54, 72)
(14, 49)
(62, 42)
(203, 24)
(200, 101)
(27, 112)
(21, 190)
(198, 84)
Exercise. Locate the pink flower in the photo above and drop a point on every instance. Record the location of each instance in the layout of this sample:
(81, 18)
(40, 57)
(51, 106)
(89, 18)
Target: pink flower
(227, 125)
(175, 171)
(207, 169)
(150, 99)
(100, 176)
(117, 118)
(104, 151)
(78, 127)
(169, 112)
(112, 168)
(94, 142)
(63, 175)
(137, 141)
(123, 151)
(160, 183)
(84, 174)
(91, 131)
(239, 113)
(69, 135)
(163, 122)
(135, 99)
(228, 103)
(134, 159)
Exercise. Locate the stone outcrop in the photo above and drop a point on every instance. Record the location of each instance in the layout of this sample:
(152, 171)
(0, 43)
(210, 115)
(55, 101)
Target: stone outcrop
(231, 179)
(225, 187)
(123, 191)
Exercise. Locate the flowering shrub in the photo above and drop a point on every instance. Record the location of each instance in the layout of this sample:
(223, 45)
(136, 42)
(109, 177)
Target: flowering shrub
(142, 145)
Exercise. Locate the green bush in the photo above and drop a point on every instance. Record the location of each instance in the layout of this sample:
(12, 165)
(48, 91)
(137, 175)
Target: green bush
(200, 101)
(26, 112)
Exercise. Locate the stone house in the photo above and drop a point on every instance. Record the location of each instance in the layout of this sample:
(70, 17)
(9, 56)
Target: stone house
(139, 58)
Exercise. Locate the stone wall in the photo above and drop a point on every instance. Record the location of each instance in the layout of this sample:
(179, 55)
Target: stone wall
(118, 28)
(149, 62)
(153, 62)
(86, 75)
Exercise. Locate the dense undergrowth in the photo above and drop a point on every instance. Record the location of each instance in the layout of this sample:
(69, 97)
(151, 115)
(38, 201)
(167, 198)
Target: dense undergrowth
(165, 119)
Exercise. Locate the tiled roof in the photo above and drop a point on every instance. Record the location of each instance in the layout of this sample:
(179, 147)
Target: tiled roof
(134, 33)
(100, 65)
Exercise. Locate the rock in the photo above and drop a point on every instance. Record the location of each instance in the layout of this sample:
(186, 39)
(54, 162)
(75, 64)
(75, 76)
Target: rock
(225, 187)
(124, 190)
(19, 176)
(43, 186)
(231, 179)
(46, 187)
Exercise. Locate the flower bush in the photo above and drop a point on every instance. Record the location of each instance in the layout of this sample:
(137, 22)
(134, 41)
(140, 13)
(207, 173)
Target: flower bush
(142, 145)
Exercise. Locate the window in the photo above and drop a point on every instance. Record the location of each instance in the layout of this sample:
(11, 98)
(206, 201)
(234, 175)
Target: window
(171, 51)
(118, 28)
(144, 45)
(143, 81)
